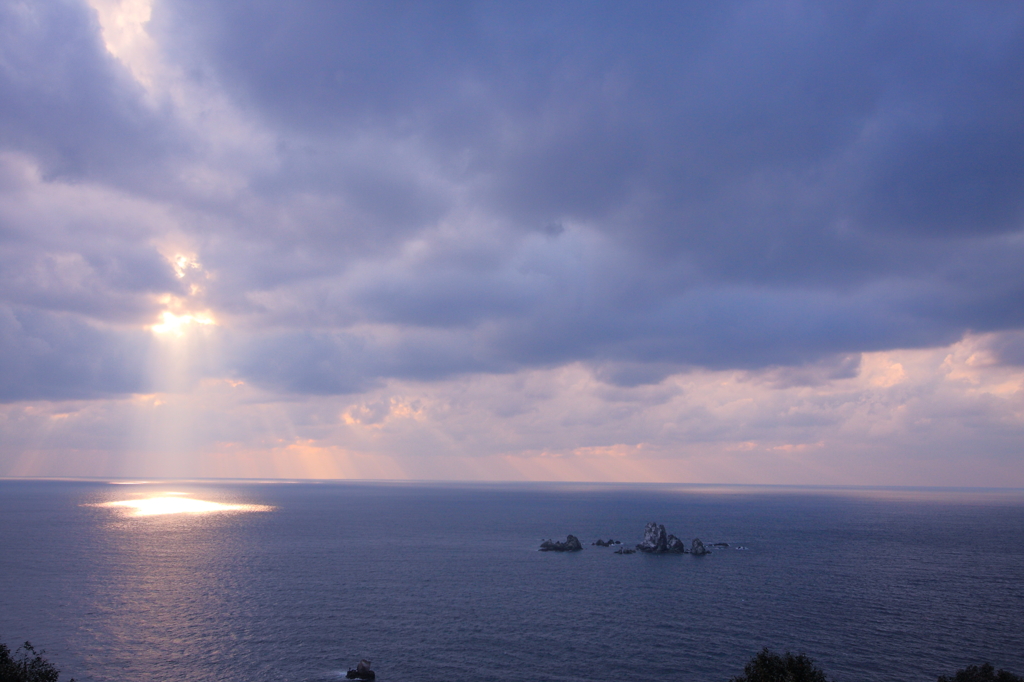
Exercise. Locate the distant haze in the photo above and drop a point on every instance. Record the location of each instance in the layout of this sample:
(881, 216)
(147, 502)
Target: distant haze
(734, 242)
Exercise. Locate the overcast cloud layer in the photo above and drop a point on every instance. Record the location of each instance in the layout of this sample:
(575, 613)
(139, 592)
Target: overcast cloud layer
(512, 240)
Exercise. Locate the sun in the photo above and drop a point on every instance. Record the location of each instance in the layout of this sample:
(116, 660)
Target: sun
(177, 324)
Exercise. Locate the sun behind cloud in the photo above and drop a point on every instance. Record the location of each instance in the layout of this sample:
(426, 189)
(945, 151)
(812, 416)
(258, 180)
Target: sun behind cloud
(177, 324)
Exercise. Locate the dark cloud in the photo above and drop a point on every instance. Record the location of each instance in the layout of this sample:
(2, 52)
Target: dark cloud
(330, 363)
(1008, 348)
(80, 249)
(108, 283)
(71, 105)
(52, 356)
(812, 374)
(433, 190)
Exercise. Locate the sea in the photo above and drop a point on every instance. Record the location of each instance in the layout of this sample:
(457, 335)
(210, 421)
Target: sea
(298, 581)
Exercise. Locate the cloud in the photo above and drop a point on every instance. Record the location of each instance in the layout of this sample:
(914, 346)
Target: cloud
(80, 247)
(728, 195)
(56, 357)
(756, 161)
(72, 105)
(903, 418)
(1008, 348)
(396, 194)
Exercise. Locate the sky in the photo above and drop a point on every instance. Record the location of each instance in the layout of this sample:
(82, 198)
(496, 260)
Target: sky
(730, 242)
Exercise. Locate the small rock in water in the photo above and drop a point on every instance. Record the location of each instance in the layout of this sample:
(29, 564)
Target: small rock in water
(675, 545)
(571, 544)
(698, 548)
(625, 550)
(361, 671)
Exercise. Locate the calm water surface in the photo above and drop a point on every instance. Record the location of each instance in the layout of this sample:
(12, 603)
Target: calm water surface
(443, 582)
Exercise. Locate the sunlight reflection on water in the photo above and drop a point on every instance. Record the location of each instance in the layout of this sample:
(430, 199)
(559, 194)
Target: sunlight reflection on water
(174, 503)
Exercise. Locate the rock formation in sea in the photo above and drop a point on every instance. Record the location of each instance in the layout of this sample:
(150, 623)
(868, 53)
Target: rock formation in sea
(606, 543)
(657, 541)
(675, 545)
(361, 671)
(571, 544)
(625, 550)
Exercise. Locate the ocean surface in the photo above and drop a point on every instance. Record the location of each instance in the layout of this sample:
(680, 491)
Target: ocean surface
(444, 581)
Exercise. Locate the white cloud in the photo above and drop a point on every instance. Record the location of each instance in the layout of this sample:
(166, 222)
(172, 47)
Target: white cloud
(955, 417)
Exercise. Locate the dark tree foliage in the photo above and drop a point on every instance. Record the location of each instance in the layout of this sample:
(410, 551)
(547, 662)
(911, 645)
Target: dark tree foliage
(26, 665)
(981, 673)
(769, 666)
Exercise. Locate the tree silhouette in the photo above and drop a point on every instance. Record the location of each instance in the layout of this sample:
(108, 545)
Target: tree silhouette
(26, 665)
(769, 666)
(982, 673)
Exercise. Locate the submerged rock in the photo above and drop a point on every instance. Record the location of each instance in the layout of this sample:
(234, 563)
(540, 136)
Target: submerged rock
(606, 543)
(571, 544)
(361, 671)
(698, 548)
(625, 550)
